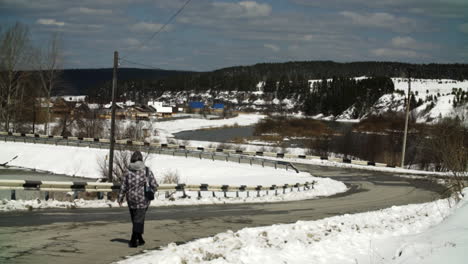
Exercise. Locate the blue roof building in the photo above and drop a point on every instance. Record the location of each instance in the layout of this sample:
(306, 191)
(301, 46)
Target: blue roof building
(218, 106)
(196, 105)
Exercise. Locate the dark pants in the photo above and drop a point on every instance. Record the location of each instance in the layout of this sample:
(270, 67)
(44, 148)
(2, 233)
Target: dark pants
(138, 220)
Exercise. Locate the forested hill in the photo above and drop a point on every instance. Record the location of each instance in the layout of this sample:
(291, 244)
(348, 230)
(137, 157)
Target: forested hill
(245, 78)
(79, 81)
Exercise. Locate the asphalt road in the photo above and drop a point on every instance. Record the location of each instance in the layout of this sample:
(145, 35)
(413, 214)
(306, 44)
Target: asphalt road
(101, 235)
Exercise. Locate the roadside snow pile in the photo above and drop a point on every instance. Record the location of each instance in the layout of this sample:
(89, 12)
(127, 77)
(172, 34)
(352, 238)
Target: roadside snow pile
(397, 234)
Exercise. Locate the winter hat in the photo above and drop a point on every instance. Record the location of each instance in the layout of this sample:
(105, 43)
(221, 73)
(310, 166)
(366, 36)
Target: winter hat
(136, 156)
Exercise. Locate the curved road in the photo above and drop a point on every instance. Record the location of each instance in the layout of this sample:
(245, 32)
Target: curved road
(100, 235)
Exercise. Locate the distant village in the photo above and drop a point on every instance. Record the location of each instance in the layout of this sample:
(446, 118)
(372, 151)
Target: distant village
(78, 106)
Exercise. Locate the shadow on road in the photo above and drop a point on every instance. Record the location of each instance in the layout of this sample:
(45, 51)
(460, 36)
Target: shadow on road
(120, 240)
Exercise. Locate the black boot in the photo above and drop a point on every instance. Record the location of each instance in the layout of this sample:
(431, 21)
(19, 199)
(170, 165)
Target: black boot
(133, 242)
(141, 242)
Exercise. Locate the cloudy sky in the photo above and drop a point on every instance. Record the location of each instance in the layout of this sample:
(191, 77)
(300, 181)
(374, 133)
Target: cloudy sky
(211, 34)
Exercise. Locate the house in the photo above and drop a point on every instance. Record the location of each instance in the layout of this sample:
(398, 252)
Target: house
(196, 106)
(106, 111)
(62, 107)
(161, 111)
(218, 108)
(71, 98)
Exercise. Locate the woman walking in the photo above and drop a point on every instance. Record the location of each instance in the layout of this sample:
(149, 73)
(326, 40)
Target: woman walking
(137, 177)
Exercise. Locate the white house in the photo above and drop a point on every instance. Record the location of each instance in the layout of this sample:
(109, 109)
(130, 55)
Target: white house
(160, 109)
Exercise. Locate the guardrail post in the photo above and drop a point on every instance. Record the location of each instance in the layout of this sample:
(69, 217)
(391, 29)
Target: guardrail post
(248, 195)
(214, 195)
(212, 157)
(47, 196)
(75, 195)
(263, 163)
(166, 195)
(237, 194)
(199, 194)
(108, 195)
(99, 195)
(13, 195)
(250, 162)
(239, 159)
(225, 188)
(276, 165)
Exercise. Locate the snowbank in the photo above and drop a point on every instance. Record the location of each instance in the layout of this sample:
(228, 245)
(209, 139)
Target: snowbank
(401, 234)
(323, 187)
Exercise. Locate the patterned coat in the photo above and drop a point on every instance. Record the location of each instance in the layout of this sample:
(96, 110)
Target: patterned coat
(133, 187)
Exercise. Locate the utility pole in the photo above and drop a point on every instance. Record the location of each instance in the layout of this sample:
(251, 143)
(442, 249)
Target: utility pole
(112, 140)
(407, 119)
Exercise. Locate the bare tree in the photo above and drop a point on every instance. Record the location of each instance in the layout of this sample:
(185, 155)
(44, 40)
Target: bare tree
(48, 64)
(448, 144)
(121, 163)
(14, 59)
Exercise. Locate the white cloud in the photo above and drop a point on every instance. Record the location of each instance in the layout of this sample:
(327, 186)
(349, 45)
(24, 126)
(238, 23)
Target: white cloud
(148, 27)
(463, 28)
(89, 11)
(411, 43)
(403, 41)
(242, 9)
(398, 53)
(380, 20)
(273, 47)
(308, 37)
(50, 22)
(131, 42)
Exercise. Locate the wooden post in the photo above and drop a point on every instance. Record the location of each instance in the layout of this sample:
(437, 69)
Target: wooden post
(406, 121)
(112, 143)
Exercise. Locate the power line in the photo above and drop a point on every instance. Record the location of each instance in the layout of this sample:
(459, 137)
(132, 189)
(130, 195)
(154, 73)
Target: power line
(140, 64)
(165, 24)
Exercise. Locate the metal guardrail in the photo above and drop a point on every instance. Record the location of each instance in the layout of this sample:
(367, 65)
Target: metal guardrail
(105, 188)
(174, 150)
(152, 147)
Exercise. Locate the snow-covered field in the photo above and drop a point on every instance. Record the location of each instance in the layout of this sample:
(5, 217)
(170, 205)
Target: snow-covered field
(432, 232)
(424, 87)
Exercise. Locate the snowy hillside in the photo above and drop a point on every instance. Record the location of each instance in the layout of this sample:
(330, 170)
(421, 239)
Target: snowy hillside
(435, 98)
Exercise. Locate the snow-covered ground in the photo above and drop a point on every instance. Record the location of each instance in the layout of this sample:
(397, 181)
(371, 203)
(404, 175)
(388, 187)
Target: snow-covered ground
(426, 87)
(432, 232)
(85, 162)
(167, 129)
